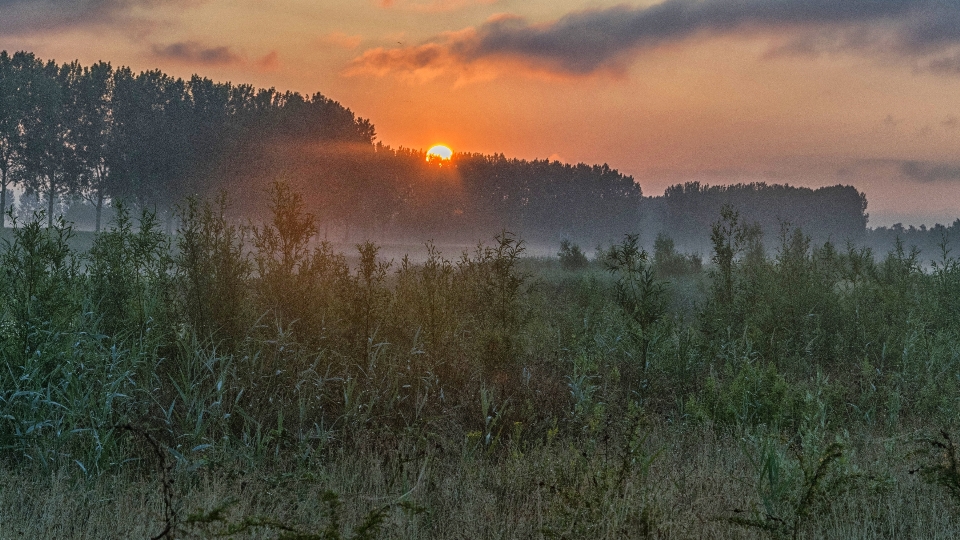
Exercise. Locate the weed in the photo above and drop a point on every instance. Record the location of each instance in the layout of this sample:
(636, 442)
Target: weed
(216, 523)
(942, 464)
(640, 295)
(792, 491)
(571, 256)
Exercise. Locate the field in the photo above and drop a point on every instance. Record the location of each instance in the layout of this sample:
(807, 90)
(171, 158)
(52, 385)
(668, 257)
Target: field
(250, 383)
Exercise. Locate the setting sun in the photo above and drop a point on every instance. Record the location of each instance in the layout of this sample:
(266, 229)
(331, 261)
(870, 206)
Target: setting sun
(439, 151)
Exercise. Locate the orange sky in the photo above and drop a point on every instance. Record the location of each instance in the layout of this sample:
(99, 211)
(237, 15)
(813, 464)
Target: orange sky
(810, 92)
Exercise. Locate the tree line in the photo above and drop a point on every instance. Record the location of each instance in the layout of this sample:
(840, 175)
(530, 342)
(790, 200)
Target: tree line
(100, 134)
(685, 211)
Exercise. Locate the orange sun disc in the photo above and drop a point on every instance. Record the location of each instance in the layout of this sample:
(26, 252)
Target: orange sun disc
(439, 151)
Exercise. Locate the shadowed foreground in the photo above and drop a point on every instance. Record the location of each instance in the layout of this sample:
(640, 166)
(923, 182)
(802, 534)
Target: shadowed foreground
(248, 382)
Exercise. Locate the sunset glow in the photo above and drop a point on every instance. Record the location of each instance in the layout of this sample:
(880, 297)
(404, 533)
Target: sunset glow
(439, 151)
(721, 92)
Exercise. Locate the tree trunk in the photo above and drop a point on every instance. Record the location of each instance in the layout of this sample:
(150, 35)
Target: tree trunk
(3, 199)
(50, 197)
(99, 208)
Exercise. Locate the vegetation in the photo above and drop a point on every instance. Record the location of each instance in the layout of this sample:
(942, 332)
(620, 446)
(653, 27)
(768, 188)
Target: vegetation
(250, 381)
(687, 211)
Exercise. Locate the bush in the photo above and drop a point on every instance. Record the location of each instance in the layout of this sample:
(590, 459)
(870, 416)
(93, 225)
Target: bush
(213, 271)
(571, 256)
(667, 262)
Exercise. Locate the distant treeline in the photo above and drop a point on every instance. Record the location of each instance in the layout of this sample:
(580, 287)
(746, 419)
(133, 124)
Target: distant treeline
(934, 243)
(686, 211)
(98, 133)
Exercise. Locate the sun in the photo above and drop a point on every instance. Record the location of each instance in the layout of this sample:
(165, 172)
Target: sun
(439, 152)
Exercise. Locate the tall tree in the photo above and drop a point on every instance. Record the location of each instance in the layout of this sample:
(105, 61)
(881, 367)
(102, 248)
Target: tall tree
(152, 147)
(49, 149)
(11, 112)
(95, 134)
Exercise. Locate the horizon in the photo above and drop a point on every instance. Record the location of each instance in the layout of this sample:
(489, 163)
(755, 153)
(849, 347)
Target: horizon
(804, 93)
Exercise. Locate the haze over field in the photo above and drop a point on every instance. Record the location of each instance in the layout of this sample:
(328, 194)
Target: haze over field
(808, 92)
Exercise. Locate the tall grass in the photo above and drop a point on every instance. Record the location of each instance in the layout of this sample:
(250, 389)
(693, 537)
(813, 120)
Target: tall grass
(249, 380)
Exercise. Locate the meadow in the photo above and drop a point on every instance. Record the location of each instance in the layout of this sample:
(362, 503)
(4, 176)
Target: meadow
(249, 382)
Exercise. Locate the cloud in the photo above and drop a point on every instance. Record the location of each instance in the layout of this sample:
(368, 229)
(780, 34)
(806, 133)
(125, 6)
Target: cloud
(269, 62)
(195, 53)
(945, 65)
(26, 16)
(924, 171)
(381, 61)
(606, 40)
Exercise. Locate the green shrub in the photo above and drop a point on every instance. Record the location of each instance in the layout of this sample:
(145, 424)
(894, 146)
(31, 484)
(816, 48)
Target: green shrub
(752, 394)
(793, 485)
(640, 295)
(667, 262)
(43, 289)
(214, 272)
(571, 256)
(129, 271)
(281, 252)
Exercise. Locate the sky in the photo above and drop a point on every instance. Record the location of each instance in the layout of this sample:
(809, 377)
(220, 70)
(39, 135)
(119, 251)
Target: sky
(805, 92)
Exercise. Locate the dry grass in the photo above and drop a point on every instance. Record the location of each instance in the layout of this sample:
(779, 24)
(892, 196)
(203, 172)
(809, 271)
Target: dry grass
(697, 483)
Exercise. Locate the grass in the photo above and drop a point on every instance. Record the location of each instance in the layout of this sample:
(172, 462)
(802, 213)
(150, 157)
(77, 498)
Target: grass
(81, 242)
(691, 491)
(255, 384)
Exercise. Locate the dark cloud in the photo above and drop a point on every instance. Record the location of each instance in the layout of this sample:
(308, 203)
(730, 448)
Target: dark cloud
(945, 65)
(24, 16)
(195, 53)
(924, 171)
(604, 39)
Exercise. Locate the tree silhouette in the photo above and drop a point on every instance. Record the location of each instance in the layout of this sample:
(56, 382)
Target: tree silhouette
(95, 138)
(12, 110)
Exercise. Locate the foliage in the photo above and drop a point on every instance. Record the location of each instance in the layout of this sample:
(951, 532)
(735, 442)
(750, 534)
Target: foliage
(215, 524)
(101, 133)
(214, 271)
(281, 254)
(667, 262)
(793, 491)
(571, 256)
(640, 295)
(129, 271)
(831, 213)
(582, 503)
(489, 384)
(942, 464)
(42, 279)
